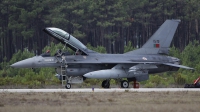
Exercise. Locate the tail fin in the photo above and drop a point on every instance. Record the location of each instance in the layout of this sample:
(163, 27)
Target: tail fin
(160, 41)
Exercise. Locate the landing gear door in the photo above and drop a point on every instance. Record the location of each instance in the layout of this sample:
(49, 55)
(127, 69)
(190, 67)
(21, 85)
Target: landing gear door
(78, 79)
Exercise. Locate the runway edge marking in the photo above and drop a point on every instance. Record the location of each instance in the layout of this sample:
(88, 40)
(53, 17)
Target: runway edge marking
(100, 90)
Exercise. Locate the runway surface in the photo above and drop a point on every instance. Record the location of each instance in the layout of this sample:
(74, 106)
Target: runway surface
(102, 90)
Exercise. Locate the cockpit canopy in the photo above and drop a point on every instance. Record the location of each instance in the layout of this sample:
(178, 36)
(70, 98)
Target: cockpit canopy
(67, 39)
(60, 32)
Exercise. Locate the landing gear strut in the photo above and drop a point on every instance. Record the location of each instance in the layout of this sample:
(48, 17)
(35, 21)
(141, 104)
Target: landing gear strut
(106, 83)
(124, 84)
(68, 80)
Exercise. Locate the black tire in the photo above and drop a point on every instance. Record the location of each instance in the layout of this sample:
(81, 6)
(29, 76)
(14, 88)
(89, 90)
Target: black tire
(189, 86)
(197, 85)
(68, 86)
(186, 86)
(192, 86)
(105, 84)
(124, 84)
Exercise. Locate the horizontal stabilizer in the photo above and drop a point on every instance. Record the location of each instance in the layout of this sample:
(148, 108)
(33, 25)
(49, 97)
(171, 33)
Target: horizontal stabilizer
(178, 66)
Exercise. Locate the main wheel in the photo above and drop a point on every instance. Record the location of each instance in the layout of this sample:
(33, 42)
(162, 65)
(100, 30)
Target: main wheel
(68, 86)
(105, 84)
(124, 84)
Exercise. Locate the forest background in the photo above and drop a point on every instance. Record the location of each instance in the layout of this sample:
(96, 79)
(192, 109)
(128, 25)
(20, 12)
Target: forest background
(107, 26)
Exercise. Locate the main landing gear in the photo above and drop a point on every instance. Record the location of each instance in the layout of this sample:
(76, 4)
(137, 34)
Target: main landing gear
(124, 84)
(106, 83)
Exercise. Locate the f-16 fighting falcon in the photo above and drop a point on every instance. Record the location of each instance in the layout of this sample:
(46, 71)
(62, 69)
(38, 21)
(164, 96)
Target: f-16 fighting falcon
(135, 65)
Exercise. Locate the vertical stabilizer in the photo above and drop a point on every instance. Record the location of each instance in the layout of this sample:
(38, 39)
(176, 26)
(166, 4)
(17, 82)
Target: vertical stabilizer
(160, 41)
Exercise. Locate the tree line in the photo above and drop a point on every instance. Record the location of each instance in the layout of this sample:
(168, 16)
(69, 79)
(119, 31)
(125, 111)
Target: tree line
(108, 23)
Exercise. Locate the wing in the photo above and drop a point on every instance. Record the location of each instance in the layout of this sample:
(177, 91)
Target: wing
(178, 66)
(147, 66)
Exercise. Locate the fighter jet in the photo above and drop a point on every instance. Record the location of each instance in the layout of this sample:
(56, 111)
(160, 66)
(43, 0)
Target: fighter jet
(135, 65)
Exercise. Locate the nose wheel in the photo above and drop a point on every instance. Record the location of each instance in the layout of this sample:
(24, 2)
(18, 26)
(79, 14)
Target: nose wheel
(68, 86)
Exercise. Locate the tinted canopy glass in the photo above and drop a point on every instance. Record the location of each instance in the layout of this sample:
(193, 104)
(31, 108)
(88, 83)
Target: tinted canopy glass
(60, 32)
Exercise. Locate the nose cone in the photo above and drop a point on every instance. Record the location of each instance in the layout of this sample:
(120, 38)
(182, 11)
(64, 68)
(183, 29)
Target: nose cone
(27, 63)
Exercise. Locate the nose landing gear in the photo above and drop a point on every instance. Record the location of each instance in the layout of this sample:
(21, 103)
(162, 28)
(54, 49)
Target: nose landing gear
(68, 86)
